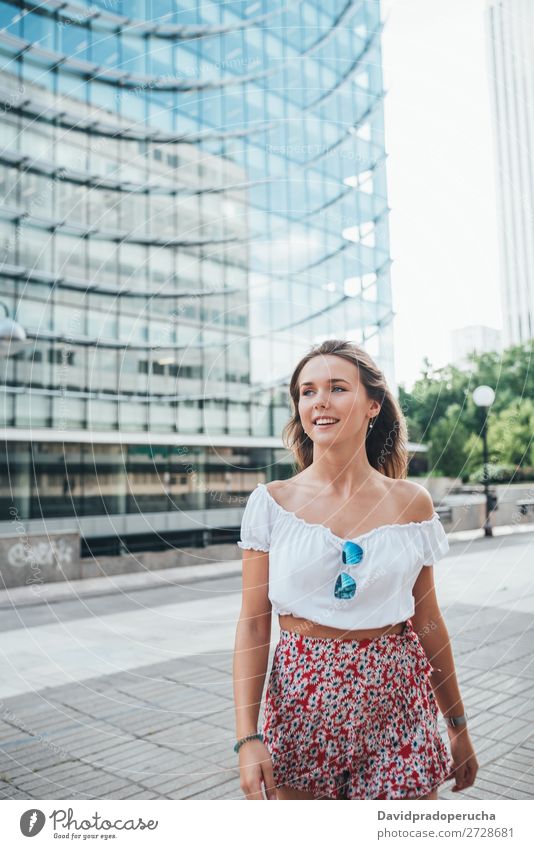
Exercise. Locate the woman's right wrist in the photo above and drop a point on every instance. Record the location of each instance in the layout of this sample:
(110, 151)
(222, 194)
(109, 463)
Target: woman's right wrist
(242, 741)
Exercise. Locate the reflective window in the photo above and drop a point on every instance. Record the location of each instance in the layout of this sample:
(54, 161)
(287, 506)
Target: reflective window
(281, 217)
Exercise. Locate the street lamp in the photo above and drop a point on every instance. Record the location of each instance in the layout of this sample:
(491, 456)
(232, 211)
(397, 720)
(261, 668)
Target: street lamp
(12, 335)
(484, 396)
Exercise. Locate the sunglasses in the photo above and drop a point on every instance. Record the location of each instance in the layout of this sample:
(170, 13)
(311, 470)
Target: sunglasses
(351, 554)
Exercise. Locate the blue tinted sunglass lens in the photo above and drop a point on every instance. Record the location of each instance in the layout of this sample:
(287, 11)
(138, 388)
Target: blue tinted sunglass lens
(352, 553)
(345, 586)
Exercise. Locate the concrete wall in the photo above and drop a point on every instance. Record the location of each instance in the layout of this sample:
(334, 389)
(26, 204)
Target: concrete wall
(469, 510)
(36, 559)
(148, 560)
(508, 512)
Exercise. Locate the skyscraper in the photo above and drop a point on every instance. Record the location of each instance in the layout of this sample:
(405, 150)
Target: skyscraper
(510, 29)
(193, 194)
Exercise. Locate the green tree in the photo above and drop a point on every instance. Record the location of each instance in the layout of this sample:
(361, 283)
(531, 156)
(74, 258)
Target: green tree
(440, 411)
(447, 443)
(510, 374)
(427, 403)
(510, 433)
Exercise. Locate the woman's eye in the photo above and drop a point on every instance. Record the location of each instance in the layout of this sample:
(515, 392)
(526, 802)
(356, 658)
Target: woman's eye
(311, 390)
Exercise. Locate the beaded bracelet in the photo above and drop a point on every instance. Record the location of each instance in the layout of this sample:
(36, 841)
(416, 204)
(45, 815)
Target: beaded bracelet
(240, 742)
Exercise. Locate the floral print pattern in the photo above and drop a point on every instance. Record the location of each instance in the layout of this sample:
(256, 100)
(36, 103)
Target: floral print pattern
(354, 719)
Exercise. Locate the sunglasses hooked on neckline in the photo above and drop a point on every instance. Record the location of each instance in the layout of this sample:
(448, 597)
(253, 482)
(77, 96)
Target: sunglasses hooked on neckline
(351, 555)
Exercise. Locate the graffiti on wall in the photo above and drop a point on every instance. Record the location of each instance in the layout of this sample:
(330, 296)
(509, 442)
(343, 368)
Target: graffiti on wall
(46, 553)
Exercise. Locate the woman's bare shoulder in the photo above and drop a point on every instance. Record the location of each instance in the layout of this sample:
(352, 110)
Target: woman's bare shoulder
(414, 501)
(273, 486)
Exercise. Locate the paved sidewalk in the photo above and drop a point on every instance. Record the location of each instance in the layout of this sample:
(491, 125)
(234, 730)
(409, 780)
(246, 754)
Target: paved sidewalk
(128, 693)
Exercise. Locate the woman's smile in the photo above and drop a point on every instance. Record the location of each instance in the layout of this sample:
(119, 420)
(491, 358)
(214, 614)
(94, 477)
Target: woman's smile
(326, 423)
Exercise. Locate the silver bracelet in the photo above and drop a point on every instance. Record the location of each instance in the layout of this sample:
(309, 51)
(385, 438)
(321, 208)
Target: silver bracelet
(456, 721)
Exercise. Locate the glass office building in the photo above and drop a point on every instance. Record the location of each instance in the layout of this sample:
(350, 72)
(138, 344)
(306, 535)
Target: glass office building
(192, 195)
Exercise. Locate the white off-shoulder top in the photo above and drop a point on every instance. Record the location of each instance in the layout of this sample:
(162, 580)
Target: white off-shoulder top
(307, 574)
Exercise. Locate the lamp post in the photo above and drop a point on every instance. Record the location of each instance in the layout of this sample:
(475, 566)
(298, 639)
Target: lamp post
(484, 396)
(12, 335)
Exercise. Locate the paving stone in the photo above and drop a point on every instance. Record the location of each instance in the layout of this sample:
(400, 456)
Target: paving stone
(225, 722)
(182, 774)
(518, 667)
(100, 784)
(103, 789)
(527, 712)
(116, 753)
(488, 750)
(496, 727)
(216, 792)
(143, 794)
(501, 790)
(473, 792)
(52, 771)
(145, 770)
(516, 771)
(196, 789)
(511, 684)
(492, 681)
(59, 779)
(235, 793)
(139, 726)
(122, 760)
(519, 758)
(124, 792)
(45, 757)
(20, 794)
(167, 730)
(8, 791)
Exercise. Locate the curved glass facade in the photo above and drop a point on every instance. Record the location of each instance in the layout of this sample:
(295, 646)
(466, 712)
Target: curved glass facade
(192, 194)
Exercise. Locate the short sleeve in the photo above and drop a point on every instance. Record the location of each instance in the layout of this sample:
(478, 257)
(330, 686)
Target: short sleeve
(433, 541)
(256, 522)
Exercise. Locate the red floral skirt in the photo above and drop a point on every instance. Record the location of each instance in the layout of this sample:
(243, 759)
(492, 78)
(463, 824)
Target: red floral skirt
(354, 719)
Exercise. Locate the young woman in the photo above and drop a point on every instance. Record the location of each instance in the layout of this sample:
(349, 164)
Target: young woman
(344, 553)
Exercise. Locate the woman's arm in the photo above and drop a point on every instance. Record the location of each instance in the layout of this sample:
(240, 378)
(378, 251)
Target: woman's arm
(428, 621)
(432, 632)
(252, 642)
(431, 629)
(251, 655)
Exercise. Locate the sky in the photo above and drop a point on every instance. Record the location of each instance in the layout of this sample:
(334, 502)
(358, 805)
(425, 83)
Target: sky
(441, 177)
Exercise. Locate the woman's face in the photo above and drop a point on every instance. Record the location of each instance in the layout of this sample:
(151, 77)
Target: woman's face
(330, 388)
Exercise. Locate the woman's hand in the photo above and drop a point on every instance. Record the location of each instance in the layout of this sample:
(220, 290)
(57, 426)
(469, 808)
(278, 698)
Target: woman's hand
(464, 759)
(255, 767)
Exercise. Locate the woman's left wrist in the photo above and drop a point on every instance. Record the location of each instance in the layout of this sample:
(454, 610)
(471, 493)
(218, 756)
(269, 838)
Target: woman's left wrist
(456, 724)
(457, 720)
(453, 733)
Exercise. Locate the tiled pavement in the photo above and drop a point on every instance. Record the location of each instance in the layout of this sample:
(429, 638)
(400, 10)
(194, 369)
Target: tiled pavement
(165, 728)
